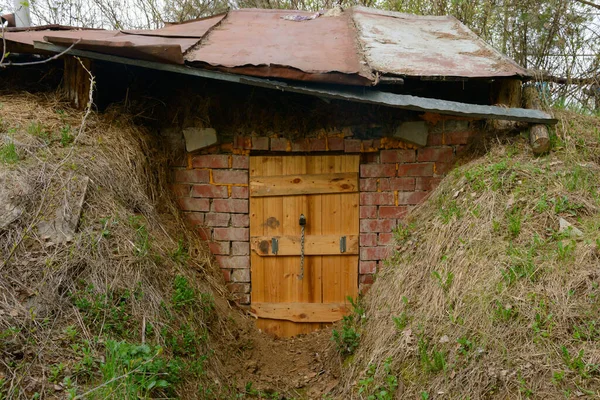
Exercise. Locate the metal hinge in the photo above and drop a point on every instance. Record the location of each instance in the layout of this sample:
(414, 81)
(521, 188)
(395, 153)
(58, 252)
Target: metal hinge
(343, 244)
(274, 245)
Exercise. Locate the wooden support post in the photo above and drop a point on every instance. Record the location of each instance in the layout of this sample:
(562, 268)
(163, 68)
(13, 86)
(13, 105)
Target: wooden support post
(538, 134)
(506, 93)
(76, 81)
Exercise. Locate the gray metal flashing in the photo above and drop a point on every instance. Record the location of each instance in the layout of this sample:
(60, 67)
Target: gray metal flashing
(360, 95)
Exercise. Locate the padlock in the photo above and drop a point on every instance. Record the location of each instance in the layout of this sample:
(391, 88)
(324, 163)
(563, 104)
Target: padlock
(302, 220)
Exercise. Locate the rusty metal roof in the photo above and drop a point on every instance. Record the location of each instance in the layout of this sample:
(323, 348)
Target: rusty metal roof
(427, 46)
(352, 47)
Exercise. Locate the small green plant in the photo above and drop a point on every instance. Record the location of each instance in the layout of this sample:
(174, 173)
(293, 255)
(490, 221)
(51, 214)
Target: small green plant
(142, 242)
(424, 395)
(386, 390)
(403, 232)
(401, 321)
(183, 294)
(562, 205)
(180, 254)
(565, 249)
(587, 331)
(132, 371)
(71, 333)
(56, 372)
(558, 377)
(466, 345)
(543, 321)
(542, 204)
(504, 312)
(443, 282)
(449, 210)
(523, 387)
(38, 130)
(515, 220)
(431, 361)
(8, 153)
(347, 339)
(66, 137)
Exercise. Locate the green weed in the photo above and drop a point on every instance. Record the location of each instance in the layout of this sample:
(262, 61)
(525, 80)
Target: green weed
(183, 294)
(565, 249)
(8, 153)
(504, 313)
(587, 331)
(577, 363)
(384, 391)
(180, 254)
(431, 361)
(347, 339)
(523, 387)
(66, 138)
(563, 205)
(38, 130)
(401, 321)
(142, 243)
(443, 282)
(450, 210)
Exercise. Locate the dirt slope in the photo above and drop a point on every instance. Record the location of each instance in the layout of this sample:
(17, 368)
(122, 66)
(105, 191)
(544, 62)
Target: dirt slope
(486, 295)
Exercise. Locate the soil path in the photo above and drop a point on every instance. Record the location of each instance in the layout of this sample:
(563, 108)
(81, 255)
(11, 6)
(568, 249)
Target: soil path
(302, 367)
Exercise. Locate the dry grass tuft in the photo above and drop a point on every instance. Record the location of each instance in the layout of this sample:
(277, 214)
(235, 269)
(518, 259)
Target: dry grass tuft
(116, 278)
(485, 297)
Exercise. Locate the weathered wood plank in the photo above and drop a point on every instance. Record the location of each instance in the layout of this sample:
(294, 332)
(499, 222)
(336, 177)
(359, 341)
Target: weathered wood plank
(314, 245)
(300, 312)
(539, 137)
(289, 185)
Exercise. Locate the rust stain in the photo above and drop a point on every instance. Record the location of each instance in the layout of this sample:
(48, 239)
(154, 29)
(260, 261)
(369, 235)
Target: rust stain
(272, 223)
(263, 246)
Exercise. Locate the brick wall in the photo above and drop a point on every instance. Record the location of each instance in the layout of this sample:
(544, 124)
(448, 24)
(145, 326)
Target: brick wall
(212, 190)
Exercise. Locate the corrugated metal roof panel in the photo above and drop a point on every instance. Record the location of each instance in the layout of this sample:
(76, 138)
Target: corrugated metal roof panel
(189, 29)
(427, 46)
(264, 39)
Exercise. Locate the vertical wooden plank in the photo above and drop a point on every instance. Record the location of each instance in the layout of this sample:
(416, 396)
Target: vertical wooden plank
(350, 225)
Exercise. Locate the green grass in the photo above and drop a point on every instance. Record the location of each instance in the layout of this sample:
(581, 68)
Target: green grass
(8, 153)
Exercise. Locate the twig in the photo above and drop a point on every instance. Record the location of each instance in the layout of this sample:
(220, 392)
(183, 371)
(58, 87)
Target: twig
(23, 64)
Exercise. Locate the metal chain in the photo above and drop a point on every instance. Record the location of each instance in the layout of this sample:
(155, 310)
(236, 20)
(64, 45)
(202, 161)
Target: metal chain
(301, 276)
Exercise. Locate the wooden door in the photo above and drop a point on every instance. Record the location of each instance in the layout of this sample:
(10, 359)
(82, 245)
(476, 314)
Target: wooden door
(286, 301)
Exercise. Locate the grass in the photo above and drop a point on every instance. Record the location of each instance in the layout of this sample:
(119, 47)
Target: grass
(8, 153)
(496, 288)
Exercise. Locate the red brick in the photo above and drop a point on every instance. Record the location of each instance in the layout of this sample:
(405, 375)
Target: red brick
(240, 220)
(383, 185)
(239, 192)
(204, 232)
(352, 146)
(377, 170)
(209, 191)
(458, 137)
(368, 211)
(443, 168)
(234, 262)
(230, 205)
(368, 239)
(424, 169)
(242, 142)
(386, 239)
(370, 158)
(211, 161)
(240, 162)
(368, 185)
(226, 274)
(377, 225)
(217, 219)
(427, 183)
(240, 248)
(235, 234)
(366, 279)
(376, 198)
(192, 204)
(443, 154)
(238, 287)
(260, 143)
(300, 145)
(219, 247)
(335, 143)
(317, 144)
(397, 156)
(192, 176)
(367, 267)
(240, 275)
(180, 190)
(435, 139)
(402, 184)
(374, 253)
(393, 211)
(229, 176)
(241, 299)
(279, 144)
(194, 218)
(411, 197)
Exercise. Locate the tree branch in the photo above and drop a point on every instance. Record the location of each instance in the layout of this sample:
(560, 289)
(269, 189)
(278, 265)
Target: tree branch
(54, 57)
(589, 3)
